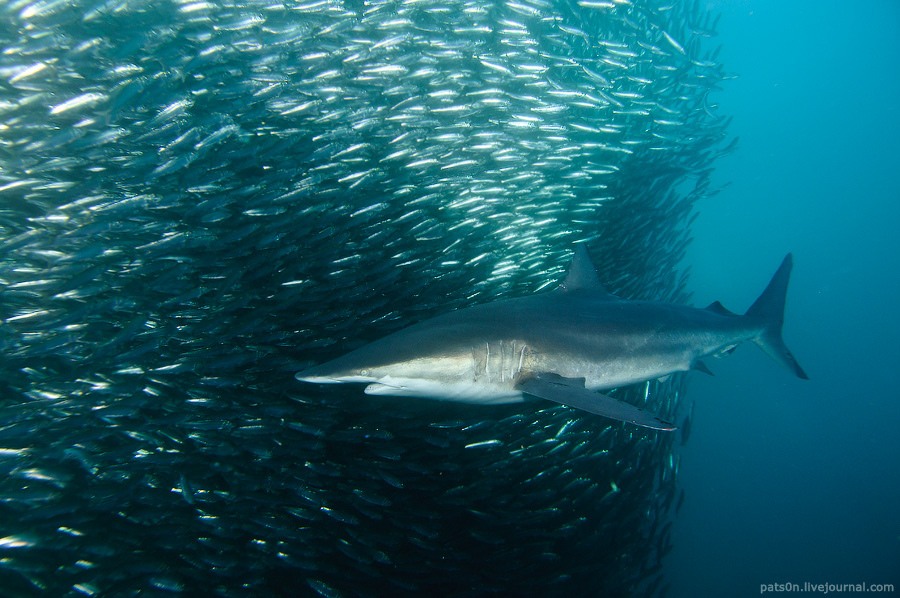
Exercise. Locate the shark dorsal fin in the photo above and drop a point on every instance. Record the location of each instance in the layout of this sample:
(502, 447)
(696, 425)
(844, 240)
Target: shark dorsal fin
(583, 275)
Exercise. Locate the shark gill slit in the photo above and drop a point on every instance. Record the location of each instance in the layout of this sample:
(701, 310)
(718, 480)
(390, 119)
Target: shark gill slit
(499, 362)
(521, 360)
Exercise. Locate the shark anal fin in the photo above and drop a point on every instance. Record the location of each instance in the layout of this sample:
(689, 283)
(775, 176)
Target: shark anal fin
(572, 393)
(702, 367)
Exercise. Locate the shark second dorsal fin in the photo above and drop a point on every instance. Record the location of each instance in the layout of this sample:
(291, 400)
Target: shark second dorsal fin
(718, 308)
(583, 275)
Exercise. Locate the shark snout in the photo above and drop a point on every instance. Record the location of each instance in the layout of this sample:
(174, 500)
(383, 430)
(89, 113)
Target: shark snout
(303, 377)
(317, 378)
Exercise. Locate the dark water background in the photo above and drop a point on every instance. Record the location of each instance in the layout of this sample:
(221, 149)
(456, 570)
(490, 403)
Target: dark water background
(793, 481)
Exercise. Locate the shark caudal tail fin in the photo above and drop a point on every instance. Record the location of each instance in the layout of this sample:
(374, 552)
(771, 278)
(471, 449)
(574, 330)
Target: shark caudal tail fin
(768, 311)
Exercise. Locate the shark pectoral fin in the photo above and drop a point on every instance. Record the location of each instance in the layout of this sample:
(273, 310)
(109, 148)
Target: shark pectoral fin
(569, 392)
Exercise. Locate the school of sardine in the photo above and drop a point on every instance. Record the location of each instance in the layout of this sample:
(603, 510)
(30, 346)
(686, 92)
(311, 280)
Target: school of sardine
(198, 199)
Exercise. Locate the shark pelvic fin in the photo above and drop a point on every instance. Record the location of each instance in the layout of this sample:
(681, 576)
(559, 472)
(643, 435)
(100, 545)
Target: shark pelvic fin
(571, 392)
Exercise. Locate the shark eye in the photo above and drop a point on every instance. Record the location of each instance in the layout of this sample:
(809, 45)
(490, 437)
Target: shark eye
(363, 372)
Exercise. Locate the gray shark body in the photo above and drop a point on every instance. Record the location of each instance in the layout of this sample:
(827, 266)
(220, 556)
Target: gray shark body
(563, 346)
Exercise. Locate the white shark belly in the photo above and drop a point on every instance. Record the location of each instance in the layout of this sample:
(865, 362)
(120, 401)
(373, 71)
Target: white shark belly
(461, 391)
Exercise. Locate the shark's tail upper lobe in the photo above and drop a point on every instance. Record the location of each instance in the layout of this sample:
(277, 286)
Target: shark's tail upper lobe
(768, 311)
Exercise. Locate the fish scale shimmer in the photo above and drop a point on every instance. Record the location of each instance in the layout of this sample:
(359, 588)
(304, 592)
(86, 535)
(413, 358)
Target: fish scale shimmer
(199, 199)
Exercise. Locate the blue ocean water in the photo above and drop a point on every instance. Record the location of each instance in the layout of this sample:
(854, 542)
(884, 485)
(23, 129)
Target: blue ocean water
(200, 199)
(790, 480)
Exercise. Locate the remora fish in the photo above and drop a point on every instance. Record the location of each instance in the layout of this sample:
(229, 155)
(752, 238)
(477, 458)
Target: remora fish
(561, 346)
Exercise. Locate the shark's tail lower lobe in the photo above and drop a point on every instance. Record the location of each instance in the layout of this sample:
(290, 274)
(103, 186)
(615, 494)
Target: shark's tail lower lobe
(768, 311)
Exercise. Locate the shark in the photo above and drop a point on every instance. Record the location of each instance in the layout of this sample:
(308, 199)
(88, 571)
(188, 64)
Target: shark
(565, 346)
